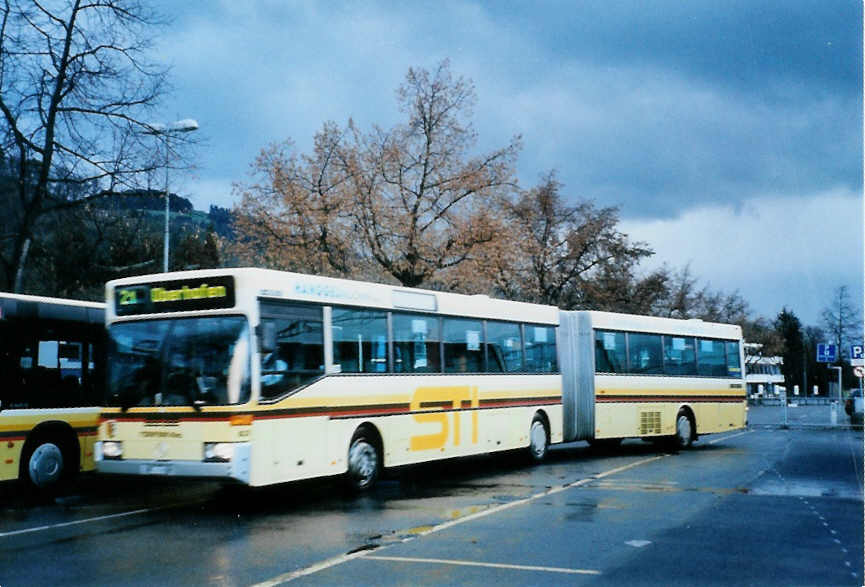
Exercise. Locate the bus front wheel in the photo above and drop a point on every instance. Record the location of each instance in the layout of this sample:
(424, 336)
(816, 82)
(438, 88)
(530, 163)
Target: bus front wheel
(44, 465)
(364, 462)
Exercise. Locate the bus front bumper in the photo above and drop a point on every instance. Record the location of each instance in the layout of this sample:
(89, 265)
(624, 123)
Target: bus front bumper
(237, 469)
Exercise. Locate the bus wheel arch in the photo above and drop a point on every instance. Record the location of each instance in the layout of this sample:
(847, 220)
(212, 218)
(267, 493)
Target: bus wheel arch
(365, 458)
(686, 428)
(539, 437)
(50, 456)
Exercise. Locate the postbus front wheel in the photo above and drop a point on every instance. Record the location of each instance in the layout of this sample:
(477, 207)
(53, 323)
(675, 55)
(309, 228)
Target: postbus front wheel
(43, 466)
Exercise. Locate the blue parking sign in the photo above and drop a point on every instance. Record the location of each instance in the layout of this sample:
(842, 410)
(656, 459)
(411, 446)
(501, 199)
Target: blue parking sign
(857, 352)
(827, 353)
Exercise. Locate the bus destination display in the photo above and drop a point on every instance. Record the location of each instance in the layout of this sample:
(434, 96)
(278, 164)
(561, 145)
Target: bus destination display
(174, 296)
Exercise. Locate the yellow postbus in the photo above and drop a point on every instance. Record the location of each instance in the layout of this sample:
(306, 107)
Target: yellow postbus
(264, 377)
(51, 380)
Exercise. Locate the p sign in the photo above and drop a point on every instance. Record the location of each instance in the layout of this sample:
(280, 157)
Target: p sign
(857, 354)
(827, 353)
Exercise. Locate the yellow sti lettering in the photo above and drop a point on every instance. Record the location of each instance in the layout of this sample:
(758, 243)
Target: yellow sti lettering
(441, 398)
(159, 294)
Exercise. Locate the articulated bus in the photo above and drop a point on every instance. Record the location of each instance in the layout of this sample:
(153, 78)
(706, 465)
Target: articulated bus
(51, 380)
(263, 377)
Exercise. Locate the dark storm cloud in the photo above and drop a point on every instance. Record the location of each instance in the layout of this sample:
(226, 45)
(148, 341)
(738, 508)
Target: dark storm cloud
(702, 102)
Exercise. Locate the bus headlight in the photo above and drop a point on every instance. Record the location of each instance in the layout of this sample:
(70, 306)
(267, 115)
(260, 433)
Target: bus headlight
(218, 452)
(112, 449)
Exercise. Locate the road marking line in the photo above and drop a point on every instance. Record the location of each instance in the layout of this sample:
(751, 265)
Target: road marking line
(717, 440)
(78, 522)
(325, 564)
(465, 563)
(332, 562)
(97, 519)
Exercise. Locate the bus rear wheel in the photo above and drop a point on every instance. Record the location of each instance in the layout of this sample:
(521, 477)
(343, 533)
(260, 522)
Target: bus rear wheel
(684, 436)
(364, 462)
(539, 439)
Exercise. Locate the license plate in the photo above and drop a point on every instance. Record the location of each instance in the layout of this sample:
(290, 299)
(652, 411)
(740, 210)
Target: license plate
(156, 469)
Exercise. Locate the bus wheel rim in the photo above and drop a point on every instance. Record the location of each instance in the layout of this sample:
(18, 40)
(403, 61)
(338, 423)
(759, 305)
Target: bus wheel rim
(538, 439)
(46, 465)
(362, 461)
(683, 427)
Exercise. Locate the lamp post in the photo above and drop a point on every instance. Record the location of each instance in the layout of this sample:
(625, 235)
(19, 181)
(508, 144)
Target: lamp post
(181, 126)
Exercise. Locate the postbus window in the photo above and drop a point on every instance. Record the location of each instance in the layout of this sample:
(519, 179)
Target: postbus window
(504, 347)
(416, 344)
(680, 357)
(299, 354)
(359, 340)
(644, 354)
(610, 352)
(711, 358)
(734, 367)
(463, 352)
(540, 349)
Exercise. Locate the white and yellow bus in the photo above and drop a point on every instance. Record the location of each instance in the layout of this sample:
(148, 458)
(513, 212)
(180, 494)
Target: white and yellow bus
(51, 380)
(264, 377)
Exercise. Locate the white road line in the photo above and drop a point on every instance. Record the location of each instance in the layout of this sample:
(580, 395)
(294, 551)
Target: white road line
(717, 440)
(442, 561)
(326, 564)
(78, 522)
(331, 562)
(98, 519)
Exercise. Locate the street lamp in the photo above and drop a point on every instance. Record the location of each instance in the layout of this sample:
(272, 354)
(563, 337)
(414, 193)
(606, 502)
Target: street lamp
(156, 129)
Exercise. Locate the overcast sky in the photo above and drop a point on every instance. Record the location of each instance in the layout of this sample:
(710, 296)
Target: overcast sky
(728, 133)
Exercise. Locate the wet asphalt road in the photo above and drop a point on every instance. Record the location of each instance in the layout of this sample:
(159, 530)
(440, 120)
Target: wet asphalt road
(768, 506)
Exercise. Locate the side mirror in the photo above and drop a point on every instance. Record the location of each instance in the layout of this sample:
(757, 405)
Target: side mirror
(267, 336)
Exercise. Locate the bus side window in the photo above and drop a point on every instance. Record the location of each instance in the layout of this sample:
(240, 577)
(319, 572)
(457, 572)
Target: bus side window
(540, 349)
(680, 357)
(504, 347)
(298, 354)
(416, 344)
(734, 367)
(610, 353)
(359, 340)
(711, 358)
(644, 354)
(463, 352)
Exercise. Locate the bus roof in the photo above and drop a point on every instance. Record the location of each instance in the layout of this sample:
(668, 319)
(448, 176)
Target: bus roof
(22, 306)
(270, 284)
(657, 325)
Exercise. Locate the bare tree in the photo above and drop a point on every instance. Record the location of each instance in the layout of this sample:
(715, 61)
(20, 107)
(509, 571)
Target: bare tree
(297, 216)
(405, 204)
(557, 254)
(842, 320)
(424, 202)
(75, 89)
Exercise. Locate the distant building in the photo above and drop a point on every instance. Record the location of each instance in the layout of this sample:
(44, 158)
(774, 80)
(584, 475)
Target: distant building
(762, 374)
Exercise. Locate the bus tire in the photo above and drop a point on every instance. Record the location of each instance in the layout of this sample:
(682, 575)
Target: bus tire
(539, 439)
(364, 461)
(43, 465)
(684, 436)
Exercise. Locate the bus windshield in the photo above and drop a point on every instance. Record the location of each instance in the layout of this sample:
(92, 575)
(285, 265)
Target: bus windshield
(179, 362)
